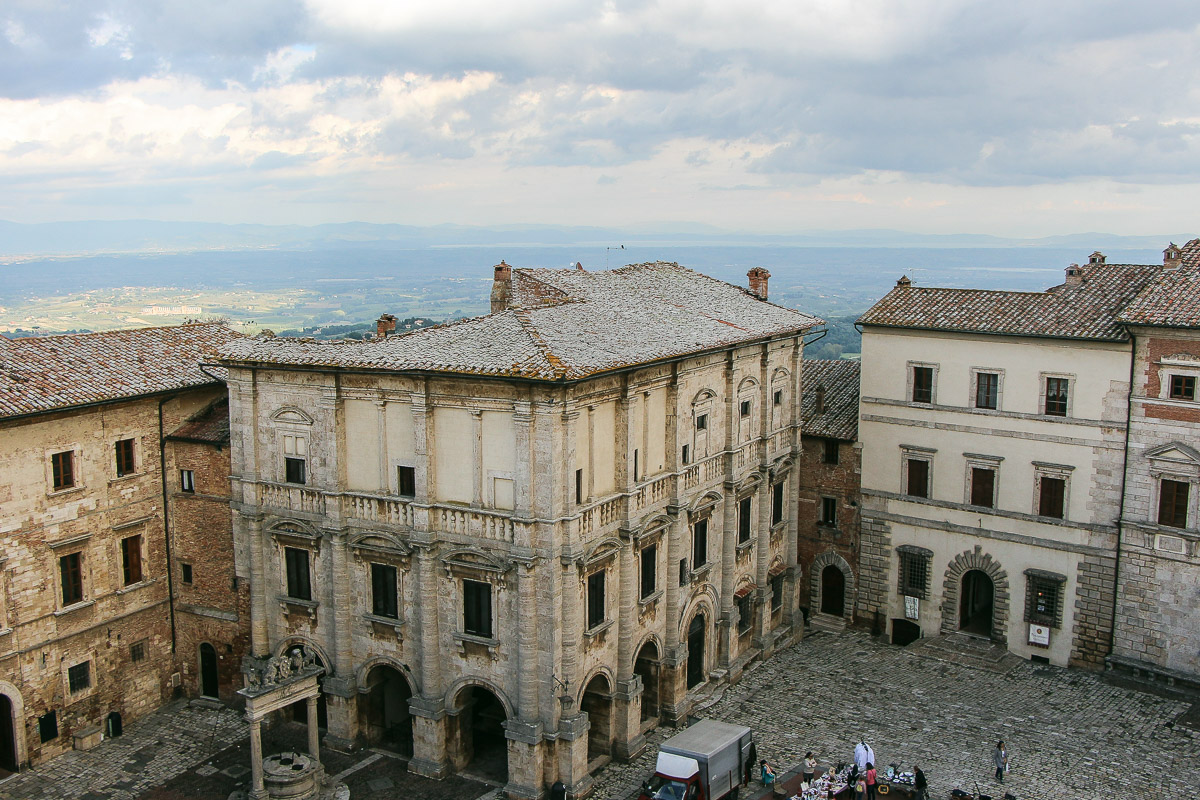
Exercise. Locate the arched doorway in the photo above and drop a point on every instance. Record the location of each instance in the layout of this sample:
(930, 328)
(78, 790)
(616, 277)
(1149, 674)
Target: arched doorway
(8, 737)
(695, 643)
(833, 591)
(975, 603)
(647, 667)
(112, 725)
(300, 708)
(209, 682)
(597, 704)
(384, 710)
(483, 748)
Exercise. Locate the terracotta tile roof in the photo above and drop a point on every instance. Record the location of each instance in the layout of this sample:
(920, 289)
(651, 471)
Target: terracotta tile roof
(1173, 298)
(1086, 310)
(839, 419)
(47, 373)
(210, 426)
(563, 325)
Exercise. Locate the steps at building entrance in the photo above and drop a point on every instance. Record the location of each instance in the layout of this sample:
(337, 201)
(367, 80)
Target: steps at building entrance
(827, 622)
(967, 650)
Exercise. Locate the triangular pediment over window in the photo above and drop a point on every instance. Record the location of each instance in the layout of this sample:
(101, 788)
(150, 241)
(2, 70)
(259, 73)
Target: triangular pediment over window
(1176, 452)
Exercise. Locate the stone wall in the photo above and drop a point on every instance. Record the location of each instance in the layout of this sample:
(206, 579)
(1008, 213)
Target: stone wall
(840, 481)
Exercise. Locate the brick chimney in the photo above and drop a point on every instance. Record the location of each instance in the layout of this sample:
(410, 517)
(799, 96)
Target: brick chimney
(1074, 275)
(385, 325)
(579, 266)
(501, 287)
(904, 282)
(758, 282)
(1096, 258)
(1172, 256)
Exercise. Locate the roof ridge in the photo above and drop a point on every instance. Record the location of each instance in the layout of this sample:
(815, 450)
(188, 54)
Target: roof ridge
(522, 315)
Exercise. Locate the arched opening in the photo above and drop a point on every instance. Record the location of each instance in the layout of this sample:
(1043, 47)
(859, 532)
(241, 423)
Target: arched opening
(597, 704)
(8, 737)
(483, 749)
(695, 643)
(112, 725)
(209, 682)
(975, 603)
(833, 591)
(383, 710)
(905, 632)
(300, 707)
(647, 667)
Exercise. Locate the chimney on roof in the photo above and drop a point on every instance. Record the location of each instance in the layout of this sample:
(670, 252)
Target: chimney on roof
(904, 282)
(821, 399)
(385, 325)
(1074, 275)
(579, 266)
(1172, 256)
(1096, 257)
(501, 287)
(758, 282)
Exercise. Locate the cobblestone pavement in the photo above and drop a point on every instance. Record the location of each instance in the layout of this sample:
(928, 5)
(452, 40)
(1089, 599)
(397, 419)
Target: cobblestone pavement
(1069, 733)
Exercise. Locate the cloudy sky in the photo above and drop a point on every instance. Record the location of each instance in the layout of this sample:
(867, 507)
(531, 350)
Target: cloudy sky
(1016, 118)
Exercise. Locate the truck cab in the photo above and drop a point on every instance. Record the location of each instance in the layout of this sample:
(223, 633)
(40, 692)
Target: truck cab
(704, 762)
(675, 778)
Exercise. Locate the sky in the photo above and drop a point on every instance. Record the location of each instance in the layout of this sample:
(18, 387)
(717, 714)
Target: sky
(939, 116)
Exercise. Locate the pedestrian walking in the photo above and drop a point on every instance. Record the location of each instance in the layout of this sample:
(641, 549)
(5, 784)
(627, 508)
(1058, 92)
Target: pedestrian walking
(1000, 759)
(810, 767)
(871, 778)
(860, 789)
(768, 774)
(920, 784)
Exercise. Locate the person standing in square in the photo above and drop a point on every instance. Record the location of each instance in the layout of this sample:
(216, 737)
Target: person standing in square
(1000, 759)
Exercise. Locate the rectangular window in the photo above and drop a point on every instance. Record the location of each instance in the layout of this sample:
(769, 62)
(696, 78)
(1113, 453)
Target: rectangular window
(745, 408)
(1056, 397)
(922, 385)
(649, 570)
(1183, 387)
(777, 398)
(777, 504)
(987, 390)
(294, 470)
(700, 544)
(686, 454)
(63, 467)
(1172, 503)
(298, 585)
(702, 422)
(1043, 598)
(983, 487)
(595, 599)
(1051, 494)
(829, 451)
(48, 726)
(70, 568)
(137, 651)
(745, 606)
(829, 511)
(744, 509)
(918, 478)
(406, 481)
(683, 572)
(187, 573)
(131, 559)
(124, 448)
(579, 484)
(383, 591)
(187, 480)
(635, 465)
(776, 593)
(79, 677)
(477, 608)
(914, 572)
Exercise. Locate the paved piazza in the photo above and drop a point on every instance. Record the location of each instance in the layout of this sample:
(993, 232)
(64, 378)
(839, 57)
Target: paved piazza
(1069, 733)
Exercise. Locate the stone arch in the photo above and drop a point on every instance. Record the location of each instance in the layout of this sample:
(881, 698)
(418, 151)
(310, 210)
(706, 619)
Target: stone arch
(20, 754)
(746, 384)
(648, 666)
(385, 691)
(292, 525)
(831, 559)
(596, 700)
(364, 669)
(603, 671)
(705, 501)
(469, 681)
(702, 395)
(292, 414)
(310, 646)
(952, 583)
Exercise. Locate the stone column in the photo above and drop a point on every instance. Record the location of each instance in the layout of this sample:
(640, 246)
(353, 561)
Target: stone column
(572, 725)
(477, 456)
(341, 694)
(429, 709)
(673, 678)
(257, 791)
(793, 579)
(764, 640)
(260, 640)
(314, 746)
(628, 741)
(727, 635)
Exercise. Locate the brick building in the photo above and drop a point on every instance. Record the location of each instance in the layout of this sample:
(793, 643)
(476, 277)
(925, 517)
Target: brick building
(86, 630)
(830, 471)
(517, 542)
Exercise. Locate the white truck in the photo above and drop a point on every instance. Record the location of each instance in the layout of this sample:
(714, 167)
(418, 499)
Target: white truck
(708, 761)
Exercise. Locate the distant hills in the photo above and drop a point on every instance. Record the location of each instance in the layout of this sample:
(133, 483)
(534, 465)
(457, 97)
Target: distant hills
(20, 241)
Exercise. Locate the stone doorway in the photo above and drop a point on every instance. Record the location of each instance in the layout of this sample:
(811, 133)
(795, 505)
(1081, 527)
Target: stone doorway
(597, 704)
(647, 667)
(8, 737)
(209, 681)
(482, 746)
(975, 603)
(384, 710)
(833, 591)
(695, 643)
(112, 725)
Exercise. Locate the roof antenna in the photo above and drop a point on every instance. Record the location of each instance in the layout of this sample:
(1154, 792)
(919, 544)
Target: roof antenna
(606, 251)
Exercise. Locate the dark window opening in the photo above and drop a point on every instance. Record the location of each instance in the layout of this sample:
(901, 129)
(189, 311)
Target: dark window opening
(406, 481)
(649, 569)
(298, 585)
(914, 571)
(983, 487)
(777, 398)
(383, 591)
(987, 390)
(187, 480)
(829, 511)
(1044, 602)
(1172, 503)
(745, 612)
(595, 599)
(700, 544)
(776, 593)
(1056, 397)
(63, 466)
(48, 726)
(829, 451)
(635, 464)
(294, 469)
(70, 568)
(477, 608)
(124, 448)
(187, 572)
(744, 509)
(1183, 387)
(79, 677)
(137, 651)
(686, 454)
(922, 387)
(702, 422)
(777, 503)
(745, 408)
(131, 559)
(918, 478)
(1051, 495)
(578, 486)
(683, 572)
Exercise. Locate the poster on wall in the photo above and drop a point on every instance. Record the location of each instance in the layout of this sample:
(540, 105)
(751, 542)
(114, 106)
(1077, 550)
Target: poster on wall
(911, 604)
(1039, 635)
